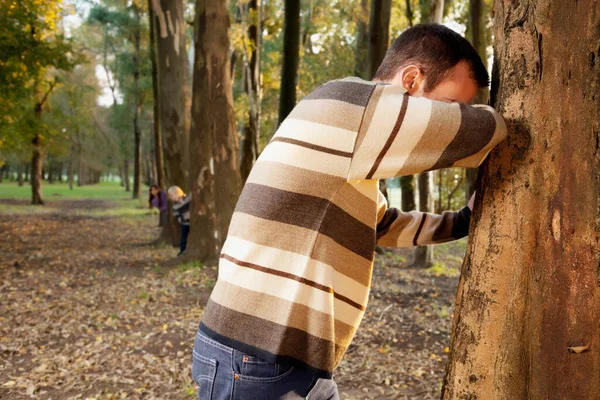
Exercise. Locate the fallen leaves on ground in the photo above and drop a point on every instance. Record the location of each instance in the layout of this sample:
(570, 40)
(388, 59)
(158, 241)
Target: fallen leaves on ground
(90, 309)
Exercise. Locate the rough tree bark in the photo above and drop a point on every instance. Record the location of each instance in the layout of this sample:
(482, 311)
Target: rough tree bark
(158, 145)
(215, 175)
(173, 79)
(476, 33)
(530, 286)
(362, 41)
(379, 34)
(251, 129)
(291, 57)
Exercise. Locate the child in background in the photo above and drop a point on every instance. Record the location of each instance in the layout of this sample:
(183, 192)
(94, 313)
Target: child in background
(158, 199)
(181, 210)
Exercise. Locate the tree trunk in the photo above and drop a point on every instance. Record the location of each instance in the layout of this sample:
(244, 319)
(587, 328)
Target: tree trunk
(526, 322)
(71, 173)
(174, 94)
(362, 41)
(251, 130)
(137, 165)
(437, 11)
(409, 13)
(476, 33)
(203, 240)
(36, 170)
(424, 254)
(379, 34)
(27, 172)
(122, 177)
(126, 175)
(407, 187)
(20, 174)
(137, 131)
(291, 57)
(158, 144)
(50, 171)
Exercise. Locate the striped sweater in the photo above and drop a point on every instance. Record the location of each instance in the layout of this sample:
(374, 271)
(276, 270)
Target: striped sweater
(295, 270)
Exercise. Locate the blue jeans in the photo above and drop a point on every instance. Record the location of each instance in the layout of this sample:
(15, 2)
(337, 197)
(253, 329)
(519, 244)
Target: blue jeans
(185, 231)
(224, 373)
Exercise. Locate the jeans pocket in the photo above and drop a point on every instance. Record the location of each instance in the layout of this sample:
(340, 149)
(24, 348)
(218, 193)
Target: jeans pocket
(204, 371)
(258, 370)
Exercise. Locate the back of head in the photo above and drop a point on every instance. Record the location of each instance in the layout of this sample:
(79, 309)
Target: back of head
(175, 191)
(435, 49)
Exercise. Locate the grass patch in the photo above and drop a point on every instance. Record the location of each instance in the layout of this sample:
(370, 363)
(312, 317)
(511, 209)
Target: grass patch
(441, 269)
(57, 191)
(190, 265)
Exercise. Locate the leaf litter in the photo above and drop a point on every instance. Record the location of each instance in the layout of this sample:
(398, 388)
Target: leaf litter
(90, 309)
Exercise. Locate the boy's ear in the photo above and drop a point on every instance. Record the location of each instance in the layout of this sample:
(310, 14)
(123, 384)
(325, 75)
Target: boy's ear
(412, 80)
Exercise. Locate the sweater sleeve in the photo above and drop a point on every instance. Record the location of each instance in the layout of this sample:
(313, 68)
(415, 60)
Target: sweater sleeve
(403, 135)
(405, 229)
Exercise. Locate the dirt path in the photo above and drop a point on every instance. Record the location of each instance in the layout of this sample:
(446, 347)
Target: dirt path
(89, 309)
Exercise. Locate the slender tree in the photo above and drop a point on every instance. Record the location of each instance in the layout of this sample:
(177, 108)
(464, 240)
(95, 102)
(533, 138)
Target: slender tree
(291, 56)
(424, 254)
(157, 136)
(251, 129)
(526, 324)
(476, 33)
(362, 40)
(137, 106)
(379, 34)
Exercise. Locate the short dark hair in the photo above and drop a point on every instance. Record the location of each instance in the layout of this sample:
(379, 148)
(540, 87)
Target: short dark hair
(435, 49)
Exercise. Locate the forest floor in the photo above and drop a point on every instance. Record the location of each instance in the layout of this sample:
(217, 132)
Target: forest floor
(90, 308)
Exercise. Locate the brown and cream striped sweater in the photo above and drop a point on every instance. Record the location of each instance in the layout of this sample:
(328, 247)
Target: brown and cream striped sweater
(296, 267)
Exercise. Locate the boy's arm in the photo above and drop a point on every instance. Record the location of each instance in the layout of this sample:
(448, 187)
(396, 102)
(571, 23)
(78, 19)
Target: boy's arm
(405, 229)
(404, 135)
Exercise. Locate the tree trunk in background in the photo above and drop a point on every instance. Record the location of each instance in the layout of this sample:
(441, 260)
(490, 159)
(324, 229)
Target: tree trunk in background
(437, 11)
(20, 174)
(137, 131)
(362, 41)
(529, 294)
(424, 254)
(70, 172)
(476, 33)
(126, 175)
(158, 144)
(215, 174)
(174, 94)
(137, 165)
(379, 34)
(50, 171)
(407, 187)
(409, 13)
(291, 57)
(251, 130)
(27, 172)
(36, 171)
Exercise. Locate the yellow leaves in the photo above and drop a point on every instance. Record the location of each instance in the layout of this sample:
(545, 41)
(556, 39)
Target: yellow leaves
(8, 384)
